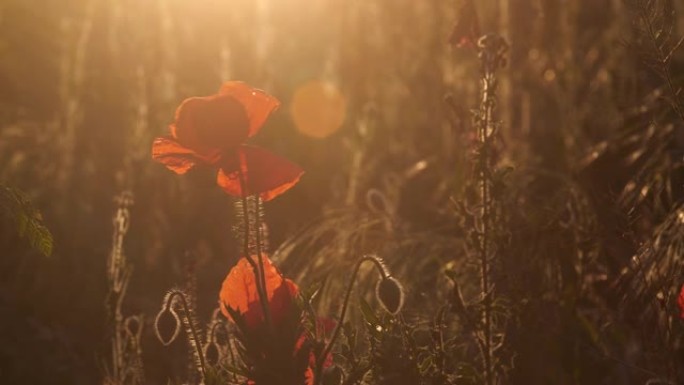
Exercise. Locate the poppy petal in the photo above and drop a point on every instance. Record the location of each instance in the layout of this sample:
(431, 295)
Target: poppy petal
(174, 156)
(258, 104)
(239, 292)
(211, 123)
(263, 172)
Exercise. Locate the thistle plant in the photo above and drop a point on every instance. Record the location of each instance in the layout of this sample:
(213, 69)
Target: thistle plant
(482, 209)
(491, 51)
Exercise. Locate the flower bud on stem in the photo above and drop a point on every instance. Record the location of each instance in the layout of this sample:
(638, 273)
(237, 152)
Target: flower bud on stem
(169, 302)
(384, 273)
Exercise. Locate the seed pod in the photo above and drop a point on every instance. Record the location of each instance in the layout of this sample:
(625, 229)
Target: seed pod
(167, 325)
(390, 294)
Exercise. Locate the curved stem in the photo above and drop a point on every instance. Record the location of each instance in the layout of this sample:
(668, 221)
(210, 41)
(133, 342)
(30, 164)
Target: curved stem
(191, 325)
(336, 332)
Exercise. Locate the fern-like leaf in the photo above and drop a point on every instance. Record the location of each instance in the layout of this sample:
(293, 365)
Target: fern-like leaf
(16, 208)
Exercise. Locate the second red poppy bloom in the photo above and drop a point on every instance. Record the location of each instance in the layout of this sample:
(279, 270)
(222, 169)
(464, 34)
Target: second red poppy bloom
(284, 356)
(212, 130)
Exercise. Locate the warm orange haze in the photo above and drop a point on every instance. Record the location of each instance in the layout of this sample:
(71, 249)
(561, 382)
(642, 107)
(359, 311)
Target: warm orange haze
(328, 192)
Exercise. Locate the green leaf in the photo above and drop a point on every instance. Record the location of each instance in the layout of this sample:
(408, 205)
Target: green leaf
(17, 208)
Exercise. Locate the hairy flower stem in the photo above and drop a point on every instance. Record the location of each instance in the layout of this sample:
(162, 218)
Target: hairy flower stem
(190, 290)
(257, 224)
(338, 328)
(258, 269)
(191, 325)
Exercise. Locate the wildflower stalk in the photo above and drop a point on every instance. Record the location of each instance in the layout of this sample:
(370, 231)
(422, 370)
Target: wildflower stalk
(483, 137)
(491, 53)
(338, 328)
(126, 353)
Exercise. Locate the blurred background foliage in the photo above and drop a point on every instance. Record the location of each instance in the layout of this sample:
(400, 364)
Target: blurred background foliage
(591, 127)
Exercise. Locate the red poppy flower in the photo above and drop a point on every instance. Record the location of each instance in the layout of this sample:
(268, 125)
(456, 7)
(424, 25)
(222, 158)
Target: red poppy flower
(239, 297)
(680, 302)
(212, 130)
(239, 292)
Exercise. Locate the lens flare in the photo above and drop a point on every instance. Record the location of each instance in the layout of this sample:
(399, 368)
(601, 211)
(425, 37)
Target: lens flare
(318, 109)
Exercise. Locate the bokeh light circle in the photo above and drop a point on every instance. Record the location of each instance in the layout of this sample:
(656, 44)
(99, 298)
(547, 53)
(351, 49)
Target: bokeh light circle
(318, 108)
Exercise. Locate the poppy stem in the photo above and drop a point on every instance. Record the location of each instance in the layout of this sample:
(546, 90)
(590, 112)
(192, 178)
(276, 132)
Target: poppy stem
(245, 250)
(257, 224)
(258, 269)
(380, 267)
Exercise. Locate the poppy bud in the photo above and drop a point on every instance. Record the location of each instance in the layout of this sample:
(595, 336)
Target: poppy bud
(167, 325)
(390, 294)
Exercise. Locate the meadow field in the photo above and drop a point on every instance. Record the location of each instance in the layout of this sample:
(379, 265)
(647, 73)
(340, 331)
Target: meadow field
(340, 192)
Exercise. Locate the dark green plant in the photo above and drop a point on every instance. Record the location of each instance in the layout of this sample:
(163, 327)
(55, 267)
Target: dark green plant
(18, 213)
